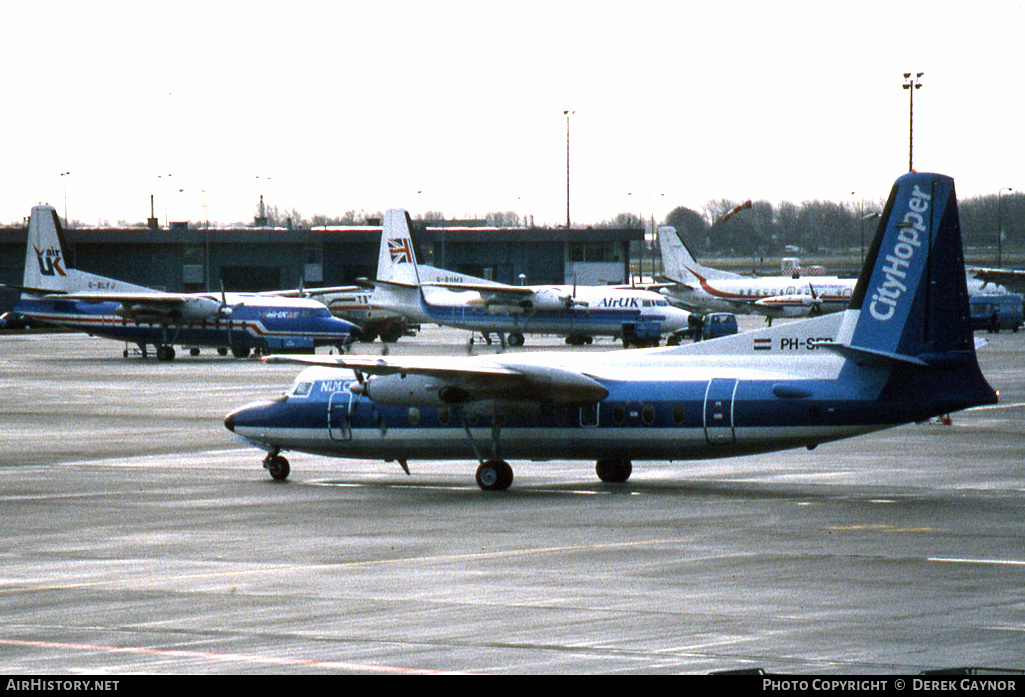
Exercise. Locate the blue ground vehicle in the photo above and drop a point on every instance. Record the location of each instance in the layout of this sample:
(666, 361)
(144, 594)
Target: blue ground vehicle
(996, 312)
(719, 324)
(710, 326)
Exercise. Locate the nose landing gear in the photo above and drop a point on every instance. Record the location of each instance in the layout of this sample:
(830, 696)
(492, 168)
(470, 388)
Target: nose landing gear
(277, 466)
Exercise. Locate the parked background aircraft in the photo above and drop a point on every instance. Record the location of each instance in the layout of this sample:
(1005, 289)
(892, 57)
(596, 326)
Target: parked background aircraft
(55, 294)
(355, 303)
(576, 312)
(704, 289)
(903, 351)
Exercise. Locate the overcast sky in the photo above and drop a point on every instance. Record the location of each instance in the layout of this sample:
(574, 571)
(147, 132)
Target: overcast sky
(326, 107)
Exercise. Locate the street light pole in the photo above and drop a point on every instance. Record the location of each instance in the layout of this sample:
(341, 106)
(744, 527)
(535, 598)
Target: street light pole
(206, 250)
(1000, 226)
(164, 192)
(911, 85)
(64, 176)
(567, 113)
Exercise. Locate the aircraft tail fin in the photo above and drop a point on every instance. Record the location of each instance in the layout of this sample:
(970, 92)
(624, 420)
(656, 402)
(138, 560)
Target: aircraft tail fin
(396, 261)
(911, 299)
(45, 262)
(908, 314)
(678, 262)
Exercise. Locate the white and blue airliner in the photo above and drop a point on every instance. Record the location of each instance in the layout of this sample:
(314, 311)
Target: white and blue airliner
(579, 313)
(903, 351)
(53, 293)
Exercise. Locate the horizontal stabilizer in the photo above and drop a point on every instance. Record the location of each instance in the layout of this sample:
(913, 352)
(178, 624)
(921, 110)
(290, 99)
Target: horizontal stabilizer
(37, 291)
(865, 356)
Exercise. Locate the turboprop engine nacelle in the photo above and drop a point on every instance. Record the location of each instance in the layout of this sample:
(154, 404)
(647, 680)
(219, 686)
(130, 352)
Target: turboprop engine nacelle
(418, 391)
(495, 306)
(204, 309)
(550, 299)
(540, 384)
(795, 305)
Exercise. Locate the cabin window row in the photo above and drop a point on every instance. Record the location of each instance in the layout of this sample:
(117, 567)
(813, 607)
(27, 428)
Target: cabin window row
(622, 414)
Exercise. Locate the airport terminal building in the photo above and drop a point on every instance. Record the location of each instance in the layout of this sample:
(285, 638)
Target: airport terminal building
(185, 258)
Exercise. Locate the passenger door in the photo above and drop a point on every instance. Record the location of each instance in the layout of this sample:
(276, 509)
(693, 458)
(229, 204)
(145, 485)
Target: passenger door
(338, 426)
(719, 410)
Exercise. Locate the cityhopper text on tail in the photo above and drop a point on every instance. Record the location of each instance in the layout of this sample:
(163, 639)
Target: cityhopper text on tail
(902, 352)
(53, 293)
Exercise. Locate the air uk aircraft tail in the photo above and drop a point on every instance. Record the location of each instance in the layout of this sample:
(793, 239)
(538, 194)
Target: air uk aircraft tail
(45, 265)
(46, 268)
(679, 264)
(396, 261)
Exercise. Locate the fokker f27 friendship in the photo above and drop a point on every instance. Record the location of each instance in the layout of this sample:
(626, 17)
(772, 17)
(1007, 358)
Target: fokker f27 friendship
(53, 293)
(902, 351)
(576, 312)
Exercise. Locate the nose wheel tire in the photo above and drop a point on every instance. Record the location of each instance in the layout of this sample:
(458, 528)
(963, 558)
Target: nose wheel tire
(494, 475)
(278, 467)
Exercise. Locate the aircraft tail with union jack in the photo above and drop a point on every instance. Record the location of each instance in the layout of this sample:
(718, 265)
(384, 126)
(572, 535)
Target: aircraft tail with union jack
(396, 262)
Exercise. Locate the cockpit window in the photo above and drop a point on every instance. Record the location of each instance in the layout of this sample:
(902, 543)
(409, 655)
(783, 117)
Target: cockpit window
(301, 389)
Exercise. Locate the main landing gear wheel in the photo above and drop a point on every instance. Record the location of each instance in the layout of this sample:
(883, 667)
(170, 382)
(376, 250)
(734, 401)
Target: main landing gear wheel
(277, 466)
(165, 352)
(515, 339)
(494, 475)
(391, 333)
(240, 351)
(614, 470)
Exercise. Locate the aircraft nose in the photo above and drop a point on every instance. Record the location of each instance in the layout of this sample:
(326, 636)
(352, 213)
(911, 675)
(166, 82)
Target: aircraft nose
(253, 416)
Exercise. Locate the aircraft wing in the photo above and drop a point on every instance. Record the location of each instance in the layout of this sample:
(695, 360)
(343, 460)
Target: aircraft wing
(457, 380)
(106, 296)
(655, 287)
(416, 365)
(1012, 279)
(37, 291)
(683, 304)
(670, 282)
(492, 293)
(145, 306)
(367, 283)
(155, 298)
(491, 289)
(310, 292)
